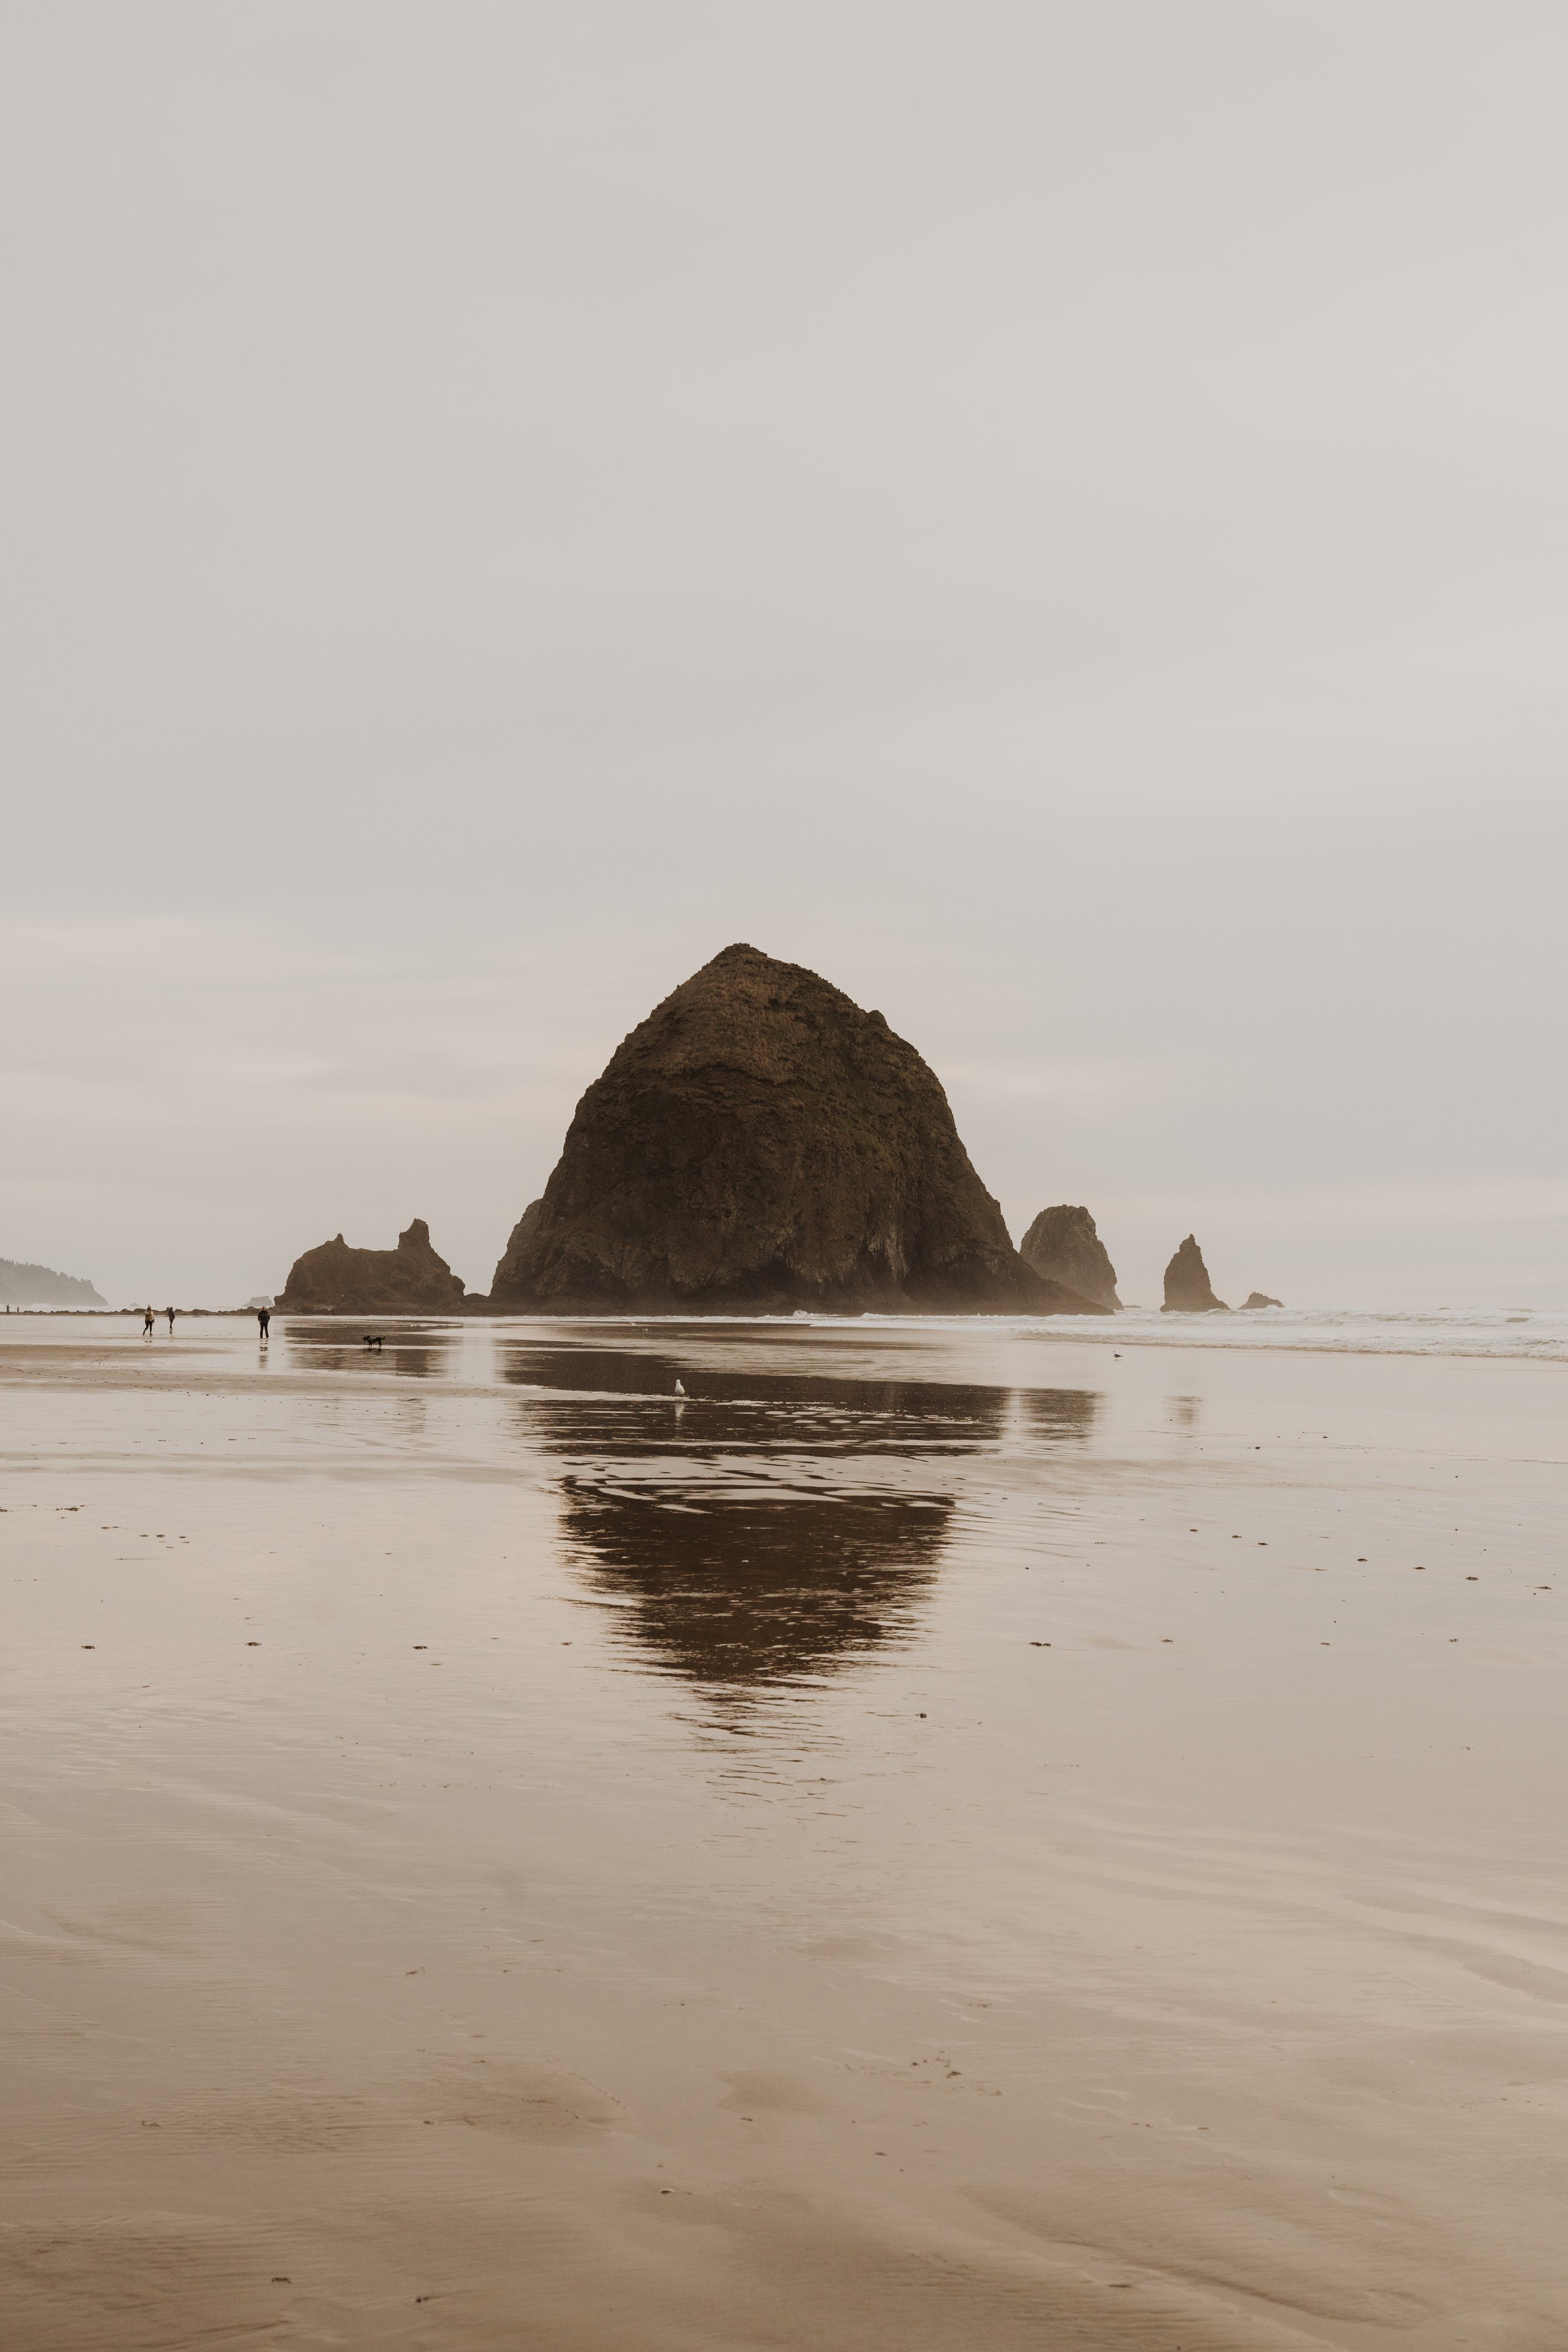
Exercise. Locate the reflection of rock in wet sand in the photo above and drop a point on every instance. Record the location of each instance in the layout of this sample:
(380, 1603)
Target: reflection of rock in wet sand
(587, 1393)
(757, 1591)
(1059, 1413)
(697, 1515)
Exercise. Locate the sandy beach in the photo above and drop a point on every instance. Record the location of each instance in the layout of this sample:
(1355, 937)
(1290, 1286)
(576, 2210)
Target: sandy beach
(948, 1837)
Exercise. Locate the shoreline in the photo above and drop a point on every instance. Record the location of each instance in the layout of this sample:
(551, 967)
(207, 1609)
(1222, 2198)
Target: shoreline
(1388, 1334)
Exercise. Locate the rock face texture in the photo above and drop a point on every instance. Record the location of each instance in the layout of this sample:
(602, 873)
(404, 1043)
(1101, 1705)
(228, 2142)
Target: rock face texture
(1188, 1290)
(1062, 1245)
(409, 1280)
(1256, 1299)
(761, 1144)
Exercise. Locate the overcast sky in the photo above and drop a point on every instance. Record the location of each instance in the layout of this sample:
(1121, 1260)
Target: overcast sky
(1055, 516)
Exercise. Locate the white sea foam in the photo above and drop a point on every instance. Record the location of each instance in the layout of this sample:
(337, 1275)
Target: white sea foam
(1442, 1331)
(1541, 1334)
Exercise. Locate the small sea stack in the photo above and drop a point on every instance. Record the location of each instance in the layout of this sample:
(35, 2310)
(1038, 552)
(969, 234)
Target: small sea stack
(337, 1279)
(1188, 1290)
(1063, 1246)
(761, 1145)
(1256, 1300)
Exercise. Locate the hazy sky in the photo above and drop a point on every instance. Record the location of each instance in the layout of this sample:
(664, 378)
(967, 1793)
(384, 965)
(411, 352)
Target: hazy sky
(1056, 516)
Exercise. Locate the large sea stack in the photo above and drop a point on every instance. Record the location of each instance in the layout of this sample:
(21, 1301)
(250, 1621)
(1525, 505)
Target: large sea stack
(1188, 1290)
(761, 1144)
(336, 1279)
(1063, 1245)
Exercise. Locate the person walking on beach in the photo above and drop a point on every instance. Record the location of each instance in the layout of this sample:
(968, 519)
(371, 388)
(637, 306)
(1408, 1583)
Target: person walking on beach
(264, 1320)
(170, 1312)
(147, 1323)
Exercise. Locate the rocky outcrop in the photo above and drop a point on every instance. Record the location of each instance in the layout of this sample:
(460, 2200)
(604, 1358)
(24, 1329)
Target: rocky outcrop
(1188, 1290)
(338, 1280)
(760, 1144)
(1258, 1299)
(1062, 1245)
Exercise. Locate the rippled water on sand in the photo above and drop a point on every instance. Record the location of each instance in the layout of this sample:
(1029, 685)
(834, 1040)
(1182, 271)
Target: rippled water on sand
(944, 1836)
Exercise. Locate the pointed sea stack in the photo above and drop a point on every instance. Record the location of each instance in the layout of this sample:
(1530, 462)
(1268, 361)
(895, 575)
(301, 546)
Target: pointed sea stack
(760, 1144)
(338, 1280)
(1188, 1290)
(1062, 1245)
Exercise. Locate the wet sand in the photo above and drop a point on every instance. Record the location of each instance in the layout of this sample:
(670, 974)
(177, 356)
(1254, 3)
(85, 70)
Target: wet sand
(946, 1838)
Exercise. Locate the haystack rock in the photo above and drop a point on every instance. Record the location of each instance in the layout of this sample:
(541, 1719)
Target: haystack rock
(760, 1144)
(1188, 1290)
(409, 1280)
(1062, 1245)
(1256, 1300)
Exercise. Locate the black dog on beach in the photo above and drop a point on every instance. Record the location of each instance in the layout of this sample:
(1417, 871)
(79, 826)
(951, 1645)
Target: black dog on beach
(370, 1342)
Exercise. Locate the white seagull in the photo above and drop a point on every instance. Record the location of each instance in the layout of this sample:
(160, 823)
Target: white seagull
(680, 1390)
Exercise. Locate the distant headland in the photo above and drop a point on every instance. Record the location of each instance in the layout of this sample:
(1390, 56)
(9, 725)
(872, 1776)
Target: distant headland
(40, 1285)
